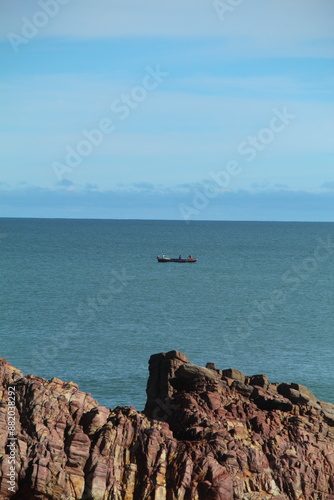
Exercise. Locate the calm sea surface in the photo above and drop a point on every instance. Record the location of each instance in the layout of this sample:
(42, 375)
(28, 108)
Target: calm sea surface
(86, 300)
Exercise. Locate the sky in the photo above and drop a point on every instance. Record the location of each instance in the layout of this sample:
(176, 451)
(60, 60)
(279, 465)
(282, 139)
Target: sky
(192, 110)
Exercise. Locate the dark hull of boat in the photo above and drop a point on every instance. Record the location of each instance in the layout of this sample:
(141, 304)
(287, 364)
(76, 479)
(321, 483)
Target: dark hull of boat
(180, 261)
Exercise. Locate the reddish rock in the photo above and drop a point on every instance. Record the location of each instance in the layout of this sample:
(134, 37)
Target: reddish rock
(298, 394)
(235, 374)
(267, 400)
(208, 440)
(162, 368)
(260, 380)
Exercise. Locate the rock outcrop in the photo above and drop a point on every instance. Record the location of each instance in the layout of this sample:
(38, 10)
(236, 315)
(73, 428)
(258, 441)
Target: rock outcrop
(205, 434)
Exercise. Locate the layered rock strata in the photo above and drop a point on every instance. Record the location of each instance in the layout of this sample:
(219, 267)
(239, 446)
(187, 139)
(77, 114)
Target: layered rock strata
(205, 434)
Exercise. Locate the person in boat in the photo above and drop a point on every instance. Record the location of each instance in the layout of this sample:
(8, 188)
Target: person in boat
(180, 257)
(190, 256)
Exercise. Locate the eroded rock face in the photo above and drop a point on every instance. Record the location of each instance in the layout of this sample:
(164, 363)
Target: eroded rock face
(204, 435)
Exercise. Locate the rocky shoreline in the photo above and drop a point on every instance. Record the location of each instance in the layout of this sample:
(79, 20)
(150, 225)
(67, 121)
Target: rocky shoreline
(205, 434)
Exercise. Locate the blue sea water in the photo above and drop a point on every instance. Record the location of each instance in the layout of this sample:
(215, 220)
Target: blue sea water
(86, 300)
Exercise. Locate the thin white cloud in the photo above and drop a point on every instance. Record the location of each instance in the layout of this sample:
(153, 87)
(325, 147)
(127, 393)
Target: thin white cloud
(279, 84)
(259, 27)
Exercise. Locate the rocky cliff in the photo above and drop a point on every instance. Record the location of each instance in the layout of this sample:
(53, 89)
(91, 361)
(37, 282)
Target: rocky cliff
(205, 434)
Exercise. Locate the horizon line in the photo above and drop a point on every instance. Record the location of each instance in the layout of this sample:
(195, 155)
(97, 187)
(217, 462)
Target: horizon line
(170, 220)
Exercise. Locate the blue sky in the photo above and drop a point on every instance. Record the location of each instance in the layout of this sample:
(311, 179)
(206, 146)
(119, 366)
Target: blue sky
(127, 110)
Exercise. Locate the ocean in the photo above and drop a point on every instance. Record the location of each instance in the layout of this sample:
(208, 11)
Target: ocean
(87, 301)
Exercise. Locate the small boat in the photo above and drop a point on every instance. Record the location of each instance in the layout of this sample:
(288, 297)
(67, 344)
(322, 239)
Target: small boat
(180, 260)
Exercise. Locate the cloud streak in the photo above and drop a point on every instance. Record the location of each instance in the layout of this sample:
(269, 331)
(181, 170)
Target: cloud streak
(147, 201)
(259, 22)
